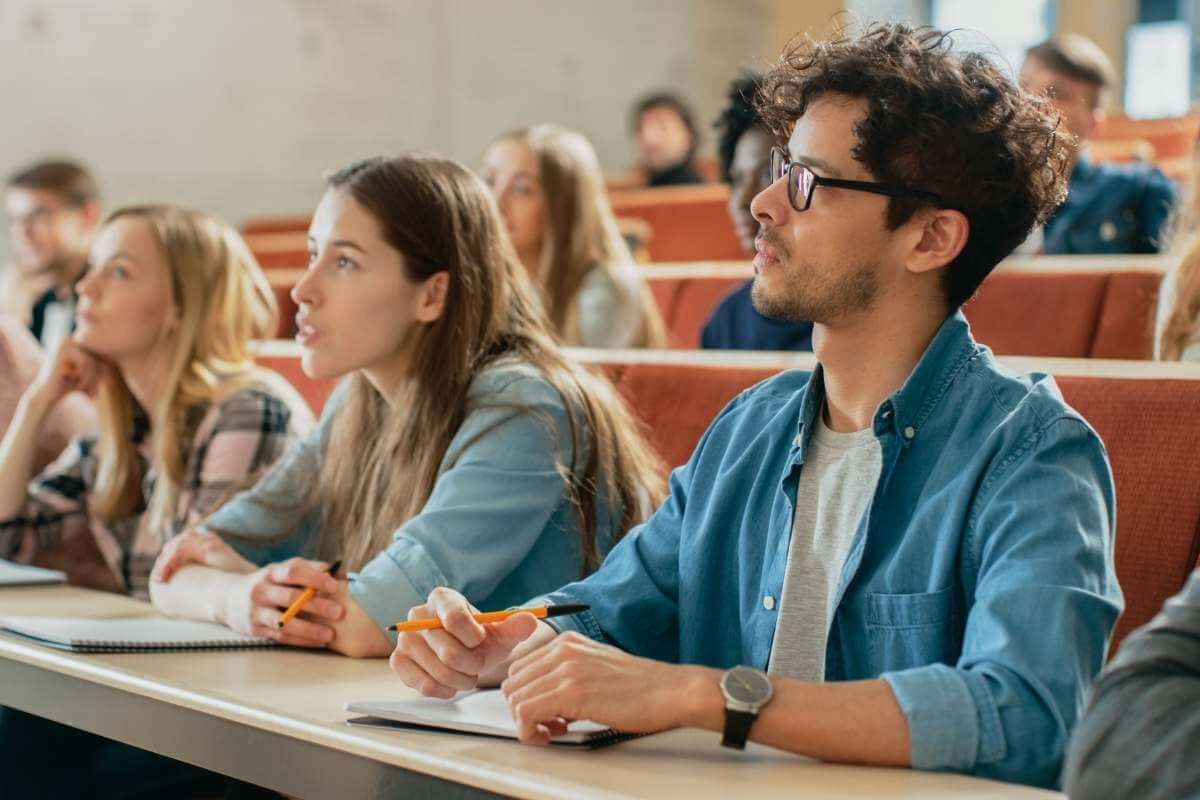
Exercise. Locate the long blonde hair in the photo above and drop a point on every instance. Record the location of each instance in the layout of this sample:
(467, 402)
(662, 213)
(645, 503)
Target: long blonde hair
(224, 302)
(581, 231)
(382, 459)
(1182, 323)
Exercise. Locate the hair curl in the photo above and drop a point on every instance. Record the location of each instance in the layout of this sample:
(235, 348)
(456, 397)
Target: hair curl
(943, 122)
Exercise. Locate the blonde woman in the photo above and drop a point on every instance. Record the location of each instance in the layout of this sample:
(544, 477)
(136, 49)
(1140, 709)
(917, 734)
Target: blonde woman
(463, 449)
(1177, 328)
(166, 314)
(550, 191)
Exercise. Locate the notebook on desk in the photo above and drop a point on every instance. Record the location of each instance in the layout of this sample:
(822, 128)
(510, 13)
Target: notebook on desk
(129, 634)
(24, 575)
(481, 713)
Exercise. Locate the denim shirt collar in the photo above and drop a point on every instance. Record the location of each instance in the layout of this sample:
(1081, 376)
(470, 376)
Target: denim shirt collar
(905, 411)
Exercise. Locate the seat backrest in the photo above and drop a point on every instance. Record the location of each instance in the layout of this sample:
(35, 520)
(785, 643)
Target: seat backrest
(1038, 314)
(1126, 326)
(1151, 429)
(689, 223)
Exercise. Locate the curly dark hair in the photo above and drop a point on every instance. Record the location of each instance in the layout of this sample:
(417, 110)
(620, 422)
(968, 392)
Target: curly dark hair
(737, 118)
(943, 122)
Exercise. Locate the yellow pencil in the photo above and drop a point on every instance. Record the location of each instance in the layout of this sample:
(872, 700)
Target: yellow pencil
(541, 612)
(308, 594)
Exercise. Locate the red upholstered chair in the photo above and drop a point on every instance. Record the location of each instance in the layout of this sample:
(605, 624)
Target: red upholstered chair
(677, 402)
(283, 357)
(1126, 327)
(694, 303)
(689, 223)
(1151, 429)
(1038, 314)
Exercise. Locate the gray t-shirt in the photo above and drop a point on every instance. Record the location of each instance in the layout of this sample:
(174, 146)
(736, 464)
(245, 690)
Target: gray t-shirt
(837, 482)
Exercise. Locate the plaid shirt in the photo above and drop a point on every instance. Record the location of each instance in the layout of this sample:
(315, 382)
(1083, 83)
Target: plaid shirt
(231, 444)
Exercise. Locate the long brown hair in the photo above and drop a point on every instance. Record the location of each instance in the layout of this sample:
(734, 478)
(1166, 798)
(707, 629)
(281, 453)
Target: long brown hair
(581, 233)
(224, 303)
(383, 459)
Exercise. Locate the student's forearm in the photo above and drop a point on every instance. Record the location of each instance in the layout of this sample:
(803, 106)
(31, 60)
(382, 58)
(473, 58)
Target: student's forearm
(194, 592)
(17, 452)
(856, 722)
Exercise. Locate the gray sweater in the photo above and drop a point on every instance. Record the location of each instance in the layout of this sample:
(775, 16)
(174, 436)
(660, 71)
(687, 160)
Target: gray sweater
(1140, 735)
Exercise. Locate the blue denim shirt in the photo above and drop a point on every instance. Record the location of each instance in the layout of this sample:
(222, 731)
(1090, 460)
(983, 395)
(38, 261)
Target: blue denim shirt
(497, 527)
(979, 584)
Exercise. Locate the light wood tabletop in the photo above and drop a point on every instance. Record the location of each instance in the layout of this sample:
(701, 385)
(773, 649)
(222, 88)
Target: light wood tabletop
(291, 702)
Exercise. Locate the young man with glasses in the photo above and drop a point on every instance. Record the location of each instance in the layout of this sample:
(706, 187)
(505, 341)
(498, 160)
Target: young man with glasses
(53, 208)
(902, 558)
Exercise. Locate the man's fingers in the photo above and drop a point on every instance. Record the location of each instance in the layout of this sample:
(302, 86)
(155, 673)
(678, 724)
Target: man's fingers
(416, 678)
(504, 636)
(420, 652)
(457, 617)
(302, 572)
(451, 652)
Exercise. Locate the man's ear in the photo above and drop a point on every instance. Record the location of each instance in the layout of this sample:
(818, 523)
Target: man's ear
(944, 233)
(431, 297)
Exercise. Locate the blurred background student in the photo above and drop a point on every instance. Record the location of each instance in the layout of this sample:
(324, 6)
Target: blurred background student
(547, 183)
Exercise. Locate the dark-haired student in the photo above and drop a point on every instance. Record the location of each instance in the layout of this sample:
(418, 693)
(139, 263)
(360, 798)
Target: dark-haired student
(909, 551)
(744, 151)
(1110, 208)
(665, 138)
(1139, 733)
(463, 449)
(53, 210)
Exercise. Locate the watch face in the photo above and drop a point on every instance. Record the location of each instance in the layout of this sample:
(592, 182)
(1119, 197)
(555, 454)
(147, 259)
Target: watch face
(746, 685)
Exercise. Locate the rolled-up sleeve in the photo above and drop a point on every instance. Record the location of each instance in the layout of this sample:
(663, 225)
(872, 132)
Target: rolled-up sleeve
(1139, 735)
(1041, 613)
(500, 486)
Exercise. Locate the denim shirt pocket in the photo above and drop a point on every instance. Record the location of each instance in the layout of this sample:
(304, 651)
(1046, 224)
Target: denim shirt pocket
(912, 630)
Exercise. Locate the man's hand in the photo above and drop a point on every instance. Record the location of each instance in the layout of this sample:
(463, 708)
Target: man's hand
(575, 678)
(464, 654)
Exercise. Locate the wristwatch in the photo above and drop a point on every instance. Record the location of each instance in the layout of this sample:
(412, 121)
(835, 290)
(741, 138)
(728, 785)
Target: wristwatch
(746, 691)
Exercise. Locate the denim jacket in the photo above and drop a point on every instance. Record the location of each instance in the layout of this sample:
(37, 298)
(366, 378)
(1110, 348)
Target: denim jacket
(497, 527)
(979, 584)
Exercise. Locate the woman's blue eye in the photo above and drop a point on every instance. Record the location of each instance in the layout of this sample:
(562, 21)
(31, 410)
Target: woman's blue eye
(345, 263)
(120, 272)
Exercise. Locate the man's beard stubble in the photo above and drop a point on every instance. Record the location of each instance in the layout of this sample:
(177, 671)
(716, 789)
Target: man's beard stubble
(810, 293)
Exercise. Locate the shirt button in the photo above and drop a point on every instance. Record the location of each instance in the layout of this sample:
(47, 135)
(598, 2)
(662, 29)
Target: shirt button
(769, 603)
(909, 432)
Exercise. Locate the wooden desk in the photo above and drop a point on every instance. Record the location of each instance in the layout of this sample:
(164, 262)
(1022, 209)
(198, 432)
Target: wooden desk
(275, 718)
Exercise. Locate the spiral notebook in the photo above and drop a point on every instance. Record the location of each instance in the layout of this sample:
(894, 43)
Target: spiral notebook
(24, 575)
(129, 634)
(481, 713)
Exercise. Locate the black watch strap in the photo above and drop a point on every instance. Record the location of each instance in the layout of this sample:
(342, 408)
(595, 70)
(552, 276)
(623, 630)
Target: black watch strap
(737, 728)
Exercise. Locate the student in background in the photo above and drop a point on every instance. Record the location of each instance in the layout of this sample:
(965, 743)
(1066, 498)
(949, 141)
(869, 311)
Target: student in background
(745, 153)
(53, 208)
(464, 449)
(870, 541)
(1110, 208)
(1138, 736)
(665, 138)
(166, 314)
(547, 183)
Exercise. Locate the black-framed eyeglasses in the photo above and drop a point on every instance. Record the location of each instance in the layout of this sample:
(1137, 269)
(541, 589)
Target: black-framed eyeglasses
(802, 182)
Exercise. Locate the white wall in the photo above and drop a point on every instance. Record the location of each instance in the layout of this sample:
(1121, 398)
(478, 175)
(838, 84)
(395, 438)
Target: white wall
(239, 107)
